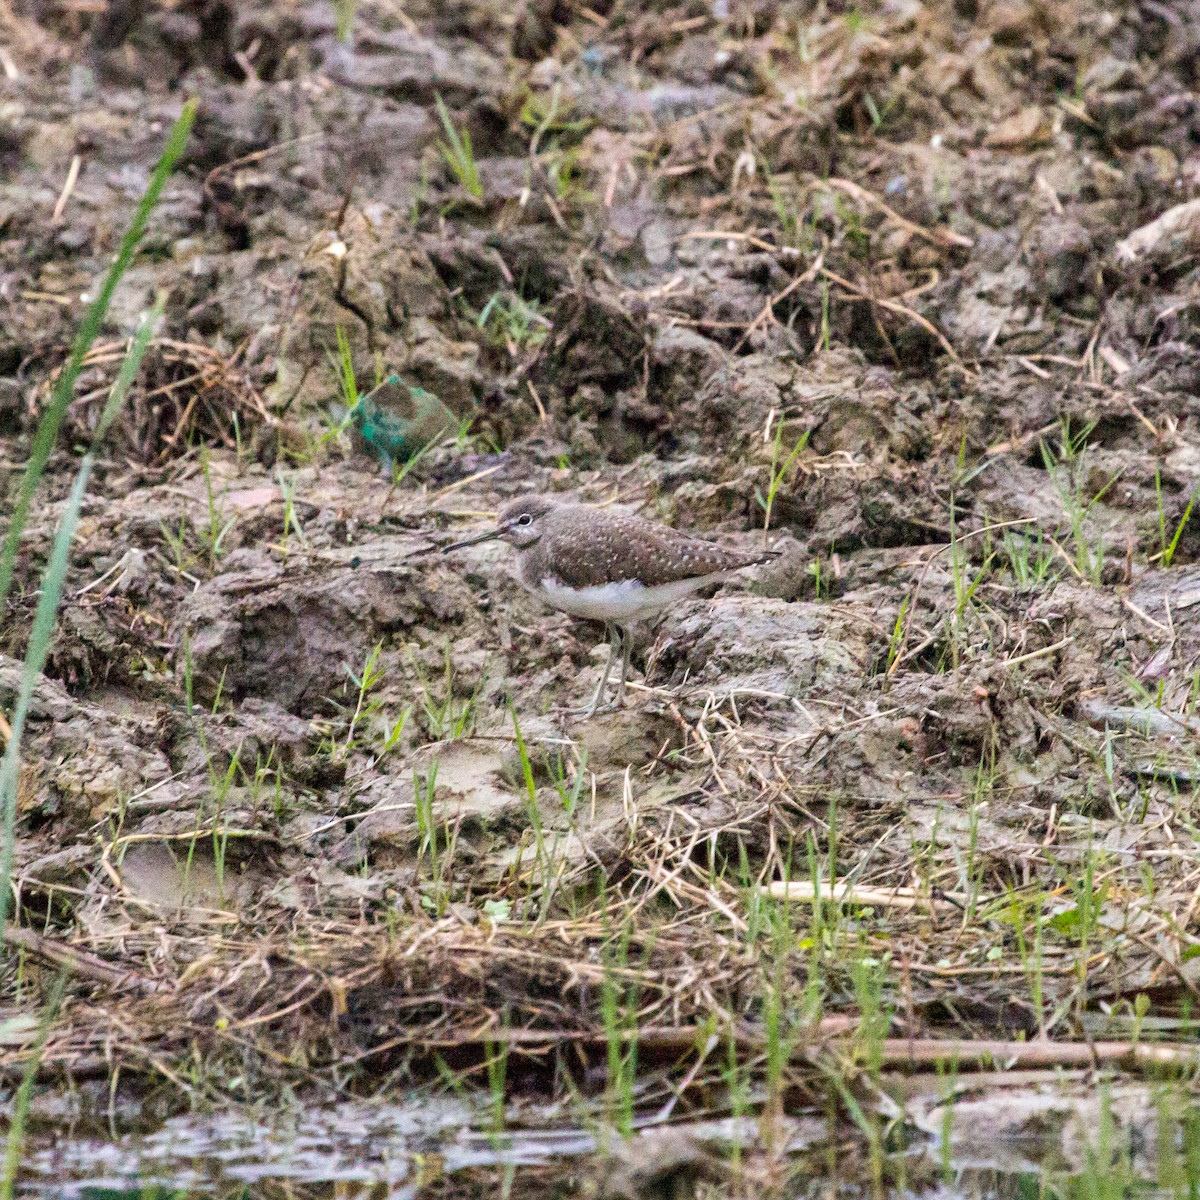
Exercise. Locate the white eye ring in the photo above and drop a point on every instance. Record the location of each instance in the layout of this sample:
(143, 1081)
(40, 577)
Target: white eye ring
(524, 519)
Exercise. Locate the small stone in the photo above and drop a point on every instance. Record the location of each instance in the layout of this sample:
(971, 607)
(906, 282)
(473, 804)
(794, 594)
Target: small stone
(1026, 128)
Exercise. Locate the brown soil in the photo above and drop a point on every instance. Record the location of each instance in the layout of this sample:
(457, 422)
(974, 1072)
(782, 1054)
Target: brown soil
(924, 235)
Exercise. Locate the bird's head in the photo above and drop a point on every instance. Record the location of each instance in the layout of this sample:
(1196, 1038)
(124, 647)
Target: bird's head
(520, 523)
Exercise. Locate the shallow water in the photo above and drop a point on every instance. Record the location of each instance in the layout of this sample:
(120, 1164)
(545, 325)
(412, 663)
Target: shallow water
(1143, 1145)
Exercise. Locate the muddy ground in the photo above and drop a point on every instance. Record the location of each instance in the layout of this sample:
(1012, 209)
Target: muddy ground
(274, 802)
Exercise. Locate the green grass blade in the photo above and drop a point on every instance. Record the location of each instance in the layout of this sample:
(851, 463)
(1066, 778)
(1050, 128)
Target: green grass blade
(458, 152)
(47, 430)
(1169, 551)
(46, 614)
(130, 366)
(24, 1094)
(35, 659)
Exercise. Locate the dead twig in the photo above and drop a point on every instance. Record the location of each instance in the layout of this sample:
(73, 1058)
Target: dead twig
(845, 892)
(894, 306)
(79, 962)
(937, 237)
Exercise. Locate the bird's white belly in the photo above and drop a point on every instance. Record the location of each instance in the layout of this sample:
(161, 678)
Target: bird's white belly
(624, 601)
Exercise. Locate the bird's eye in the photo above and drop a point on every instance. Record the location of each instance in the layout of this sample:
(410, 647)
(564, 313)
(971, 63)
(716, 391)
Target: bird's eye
(525, 519)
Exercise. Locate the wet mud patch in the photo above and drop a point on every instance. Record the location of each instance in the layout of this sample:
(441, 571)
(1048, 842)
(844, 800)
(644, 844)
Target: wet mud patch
(260, 634)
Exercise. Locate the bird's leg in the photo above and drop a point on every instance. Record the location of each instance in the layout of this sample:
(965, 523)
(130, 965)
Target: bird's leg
(626, 650)
(614, 634)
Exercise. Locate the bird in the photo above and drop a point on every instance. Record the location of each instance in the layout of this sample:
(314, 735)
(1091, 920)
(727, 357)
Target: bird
(607, 566)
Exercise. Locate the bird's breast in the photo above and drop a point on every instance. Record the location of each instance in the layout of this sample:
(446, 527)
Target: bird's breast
(625, 600)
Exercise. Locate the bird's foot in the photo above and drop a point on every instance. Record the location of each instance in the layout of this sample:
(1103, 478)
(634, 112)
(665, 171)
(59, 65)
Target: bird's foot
(591, 710)
(618, 641)
(598, 705)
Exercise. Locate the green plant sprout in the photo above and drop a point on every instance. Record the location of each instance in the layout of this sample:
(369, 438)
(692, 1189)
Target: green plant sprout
(458, 153)
(216, 526)
(344, 12)
(1168, 547)
(1066, 473)
(513, 322)
(778, 470)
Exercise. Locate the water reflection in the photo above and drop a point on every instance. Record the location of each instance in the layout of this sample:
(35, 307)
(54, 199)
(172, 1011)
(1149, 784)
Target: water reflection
(1024, 1144)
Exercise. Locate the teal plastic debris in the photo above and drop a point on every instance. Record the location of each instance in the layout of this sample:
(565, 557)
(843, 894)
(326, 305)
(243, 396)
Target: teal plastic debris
(396, 421)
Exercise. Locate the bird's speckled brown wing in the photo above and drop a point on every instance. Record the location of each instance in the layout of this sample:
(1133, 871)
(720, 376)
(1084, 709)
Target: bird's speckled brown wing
(591, 547)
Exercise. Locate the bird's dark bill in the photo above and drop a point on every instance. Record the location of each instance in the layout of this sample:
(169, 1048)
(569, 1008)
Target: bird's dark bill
(483, 537)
